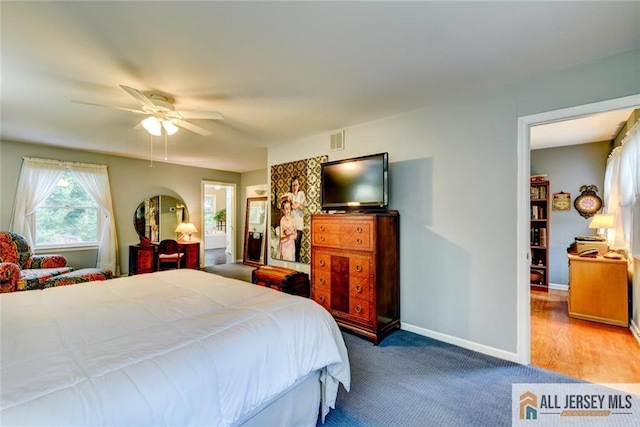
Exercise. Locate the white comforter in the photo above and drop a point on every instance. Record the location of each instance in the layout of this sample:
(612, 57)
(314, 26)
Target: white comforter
(178, 347)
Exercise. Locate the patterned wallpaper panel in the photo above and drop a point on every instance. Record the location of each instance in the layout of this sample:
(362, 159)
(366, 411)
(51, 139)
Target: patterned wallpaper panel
(308, 174)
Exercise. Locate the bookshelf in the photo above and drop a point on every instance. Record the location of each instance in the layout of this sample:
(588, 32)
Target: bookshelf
(539, 226)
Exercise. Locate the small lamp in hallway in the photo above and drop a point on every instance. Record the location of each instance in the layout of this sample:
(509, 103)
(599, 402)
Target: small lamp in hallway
(186, 229)
(600, 222)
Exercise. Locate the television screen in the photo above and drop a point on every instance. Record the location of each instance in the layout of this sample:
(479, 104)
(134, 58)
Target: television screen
(359, 183)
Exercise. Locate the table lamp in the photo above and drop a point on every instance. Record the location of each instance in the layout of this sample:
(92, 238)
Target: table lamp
(600, 222)
(186, 228)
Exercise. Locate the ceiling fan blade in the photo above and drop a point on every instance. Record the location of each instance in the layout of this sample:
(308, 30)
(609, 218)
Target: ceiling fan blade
(211, 115)
(192, 127)
(131, 110)
(138, 95)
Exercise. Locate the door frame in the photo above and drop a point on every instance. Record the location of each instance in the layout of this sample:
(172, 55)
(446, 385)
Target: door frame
(232, 213)
(525, 123)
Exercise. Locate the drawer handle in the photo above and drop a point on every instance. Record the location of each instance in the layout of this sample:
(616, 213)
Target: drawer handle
(321, 262)
(321, 280)
(359, 229)
(322, 228)
(358, 309)
(359, 241)
(321, 238)
(321, 298)
(359, 289)
(358, 268)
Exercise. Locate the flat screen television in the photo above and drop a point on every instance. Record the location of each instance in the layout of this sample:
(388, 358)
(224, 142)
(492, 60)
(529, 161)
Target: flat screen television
(356, 184)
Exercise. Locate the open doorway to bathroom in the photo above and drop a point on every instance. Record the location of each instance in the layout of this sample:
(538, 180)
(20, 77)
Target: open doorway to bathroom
(218, 213)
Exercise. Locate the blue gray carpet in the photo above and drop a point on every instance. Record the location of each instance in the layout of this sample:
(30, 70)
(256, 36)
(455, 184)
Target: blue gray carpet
(410, 380)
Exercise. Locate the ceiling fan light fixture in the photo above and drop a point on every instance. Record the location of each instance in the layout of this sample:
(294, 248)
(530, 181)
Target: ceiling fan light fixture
(152, 125)
(169, 127)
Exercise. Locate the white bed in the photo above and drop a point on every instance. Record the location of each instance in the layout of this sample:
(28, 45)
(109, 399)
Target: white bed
(178, 347)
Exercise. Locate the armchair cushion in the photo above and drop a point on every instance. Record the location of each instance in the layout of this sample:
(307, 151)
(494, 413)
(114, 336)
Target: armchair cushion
(48, 261)
(34, 278)
(9, 276)
(32, 270)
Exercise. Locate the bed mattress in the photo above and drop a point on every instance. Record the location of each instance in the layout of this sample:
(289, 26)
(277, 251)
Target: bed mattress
(177, 347)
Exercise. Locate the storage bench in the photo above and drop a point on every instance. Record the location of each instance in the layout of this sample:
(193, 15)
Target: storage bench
(282, 279)
(79, 276)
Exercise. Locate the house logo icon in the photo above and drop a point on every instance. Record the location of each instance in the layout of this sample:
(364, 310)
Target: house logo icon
(528, 406)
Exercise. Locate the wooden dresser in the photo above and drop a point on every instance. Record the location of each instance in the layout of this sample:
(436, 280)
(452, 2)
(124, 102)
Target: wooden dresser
(355, 270)
(598, 290)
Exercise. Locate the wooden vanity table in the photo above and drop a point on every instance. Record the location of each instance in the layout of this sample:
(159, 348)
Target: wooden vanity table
(142, 259)
(156, 218)
(191, 257)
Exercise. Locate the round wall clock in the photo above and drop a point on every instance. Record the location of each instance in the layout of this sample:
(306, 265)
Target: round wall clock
(588, 202)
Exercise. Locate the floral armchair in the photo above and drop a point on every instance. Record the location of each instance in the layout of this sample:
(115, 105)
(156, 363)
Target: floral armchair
(20, 269)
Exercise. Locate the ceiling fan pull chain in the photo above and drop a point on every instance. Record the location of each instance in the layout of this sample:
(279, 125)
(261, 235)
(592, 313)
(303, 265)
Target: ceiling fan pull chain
(151, 155)
(165, 145)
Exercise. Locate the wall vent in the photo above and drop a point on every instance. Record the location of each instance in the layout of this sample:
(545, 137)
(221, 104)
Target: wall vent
(337, 141)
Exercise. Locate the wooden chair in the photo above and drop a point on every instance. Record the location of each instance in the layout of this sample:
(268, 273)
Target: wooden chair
(169, 254)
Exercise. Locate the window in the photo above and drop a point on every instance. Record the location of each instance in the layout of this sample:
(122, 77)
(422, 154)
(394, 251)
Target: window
(68, 217)
(209, 212)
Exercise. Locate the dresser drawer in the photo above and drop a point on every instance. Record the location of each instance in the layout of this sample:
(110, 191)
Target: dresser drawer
(351, 234)
(323, 298)
(359, 309)
(360, 266)
(322, 281)
(321, 260)
(359, 288)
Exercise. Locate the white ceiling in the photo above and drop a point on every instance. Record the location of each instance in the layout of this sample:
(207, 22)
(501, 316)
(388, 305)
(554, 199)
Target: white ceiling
(277, 71)
(583, 130)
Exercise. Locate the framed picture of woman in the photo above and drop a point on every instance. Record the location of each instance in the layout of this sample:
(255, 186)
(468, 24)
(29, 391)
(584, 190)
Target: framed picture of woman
(295, 195)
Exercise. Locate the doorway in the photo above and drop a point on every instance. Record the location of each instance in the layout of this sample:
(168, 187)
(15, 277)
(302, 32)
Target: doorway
(218, 213)
(523, 238)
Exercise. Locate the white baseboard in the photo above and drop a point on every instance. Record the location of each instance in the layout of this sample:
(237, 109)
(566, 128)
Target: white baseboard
(469, 345)
(558, 287)
(635, 330)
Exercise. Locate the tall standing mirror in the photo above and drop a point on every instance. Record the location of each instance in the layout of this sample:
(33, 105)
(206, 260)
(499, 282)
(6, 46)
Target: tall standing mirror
(156, 218)
(255, 241)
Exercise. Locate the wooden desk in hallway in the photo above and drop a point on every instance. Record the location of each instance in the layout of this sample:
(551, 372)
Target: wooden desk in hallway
(599, 290)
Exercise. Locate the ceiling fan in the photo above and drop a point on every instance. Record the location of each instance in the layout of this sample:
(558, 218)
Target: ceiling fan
(162, 114)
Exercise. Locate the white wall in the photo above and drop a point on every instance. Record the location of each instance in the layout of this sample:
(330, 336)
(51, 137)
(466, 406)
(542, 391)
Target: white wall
(454, 170)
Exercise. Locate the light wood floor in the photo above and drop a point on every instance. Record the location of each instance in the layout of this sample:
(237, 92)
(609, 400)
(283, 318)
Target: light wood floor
(590, 351)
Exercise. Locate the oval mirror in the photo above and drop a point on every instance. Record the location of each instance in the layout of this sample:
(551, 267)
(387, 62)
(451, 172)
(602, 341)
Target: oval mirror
(157, 217)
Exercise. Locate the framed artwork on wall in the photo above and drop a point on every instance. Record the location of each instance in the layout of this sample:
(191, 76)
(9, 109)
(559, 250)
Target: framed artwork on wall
(295, 195)
(588, 203)
(561, 201)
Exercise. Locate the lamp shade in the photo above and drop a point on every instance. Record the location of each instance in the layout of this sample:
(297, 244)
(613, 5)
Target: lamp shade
(169, 127)
(186, 228)
(601, 221)
(152, 125)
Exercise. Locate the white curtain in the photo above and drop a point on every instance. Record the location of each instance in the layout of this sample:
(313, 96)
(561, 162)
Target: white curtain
(612, 200)
(622, 190)
(95, 181)
(38, 178)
